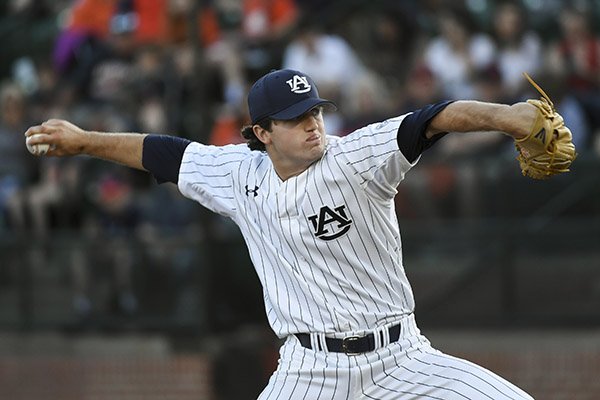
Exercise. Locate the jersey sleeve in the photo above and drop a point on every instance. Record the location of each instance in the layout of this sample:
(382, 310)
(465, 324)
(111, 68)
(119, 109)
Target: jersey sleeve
(161, 156)
(381, 154)
(206, 172)
(411, 134)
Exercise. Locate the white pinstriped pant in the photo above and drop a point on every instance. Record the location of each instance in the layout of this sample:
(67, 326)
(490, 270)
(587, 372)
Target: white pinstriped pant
(407, 369)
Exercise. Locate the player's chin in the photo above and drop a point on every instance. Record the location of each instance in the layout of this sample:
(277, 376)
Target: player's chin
(316, 149)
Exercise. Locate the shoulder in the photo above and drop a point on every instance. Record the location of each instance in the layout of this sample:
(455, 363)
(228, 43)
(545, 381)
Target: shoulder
(235, 150)
(215, 156)
(377, 133)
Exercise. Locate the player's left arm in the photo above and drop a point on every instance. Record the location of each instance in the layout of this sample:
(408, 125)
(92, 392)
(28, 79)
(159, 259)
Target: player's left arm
(515, 120)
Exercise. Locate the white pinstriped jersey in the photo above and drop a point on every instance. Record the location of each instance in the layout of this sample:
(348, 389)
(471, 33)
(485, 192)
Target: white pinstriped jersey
(326, 243)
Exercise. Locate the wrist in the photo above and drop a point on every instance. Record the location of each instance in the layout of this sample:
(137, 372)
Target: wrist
(86, 142)
(522, 118)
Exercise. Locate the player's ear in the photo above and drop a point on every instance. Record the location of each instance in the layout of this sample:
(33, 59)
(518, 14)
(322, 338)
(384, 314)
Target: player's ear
(262, 134)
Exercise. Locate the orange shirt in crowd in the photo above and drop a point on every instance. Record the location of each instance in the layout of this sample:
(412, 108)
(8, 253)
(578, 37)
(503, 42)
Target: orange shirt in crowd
(94, 16)
(261, 18)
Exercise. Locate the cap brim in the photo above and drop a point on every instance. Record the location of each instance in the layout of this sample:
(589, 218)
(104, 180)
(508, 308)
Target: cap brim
(300, 108)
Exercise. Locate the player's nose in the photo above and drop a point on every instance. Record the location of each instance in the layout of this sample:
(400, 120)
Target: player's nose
(310, 122)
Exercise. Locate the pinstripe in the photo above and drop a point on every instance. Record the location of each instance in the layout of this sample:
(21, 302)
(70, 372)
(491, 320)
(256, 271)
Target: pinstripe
(481, 370)
(299, 372)
(324, 379)
(225, 150)
(389, 263)
(276, 256)
(365, 253)
(204, 183)
(360, 134)
(379, 375)
(374, 221)
(262, 245)
(398, 366)
(323, 243)
(292, 284)
(326, 266)
(477, 376)
(294, 270)
(369, 157)
(373, 380)
(336, 381)
(372, 166)
(336, 261)
(313, 266)
(301, 271)
(370, 146)
(364, 245)
(349, 383)
(343, 253)
(206, 165)
(274, 266)
(285, 373)
(311, 379)
(274, 378)
(275, 263)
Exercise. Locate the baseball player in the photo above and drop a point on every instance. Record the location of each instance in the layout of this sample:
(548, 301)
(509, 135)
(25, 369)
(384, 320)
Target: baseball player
(317, 214)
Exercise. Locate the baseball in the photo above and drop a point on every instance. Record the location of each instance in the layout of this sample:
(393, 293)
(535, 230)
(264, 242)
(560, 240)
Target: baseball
(37, 149)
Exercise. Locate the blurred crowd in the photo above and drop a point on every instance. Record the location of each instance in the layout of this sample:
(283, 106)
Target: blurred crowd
(183, 67)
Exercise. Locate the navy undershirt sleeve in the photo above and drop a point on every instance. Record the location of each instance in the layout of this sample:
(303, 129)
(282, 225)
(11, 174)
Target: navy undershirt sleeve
(411, 133)
(162, 155)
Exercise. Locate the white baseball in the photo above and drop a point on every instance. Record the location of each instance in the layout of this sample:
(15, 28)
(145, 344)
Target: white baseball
(37, 149)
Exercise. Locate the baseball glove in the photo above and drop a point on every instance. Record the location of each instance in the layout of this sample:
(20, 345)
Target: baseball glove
(548, 149)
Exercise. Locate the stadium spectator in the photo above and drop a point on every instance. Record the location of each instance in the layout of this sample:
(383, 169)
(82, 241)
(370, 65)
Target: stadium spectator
(456, 54)
(519, 49)
(17, 168)
(331, 62)
(114, 217)
(575, 60)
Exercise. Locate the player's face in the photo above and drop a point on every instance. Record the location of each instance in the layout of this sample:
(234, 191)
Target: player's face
(294, 145)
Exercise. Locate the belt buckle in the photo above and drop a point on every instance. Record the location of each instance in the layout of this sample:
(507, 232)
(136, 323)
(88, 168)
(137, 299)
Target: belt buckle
(345, 342)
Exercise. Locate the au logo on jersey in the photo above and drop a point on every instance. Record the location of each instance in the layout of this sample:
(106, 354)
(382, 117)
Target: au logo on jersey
(299, 84)
(330, 224)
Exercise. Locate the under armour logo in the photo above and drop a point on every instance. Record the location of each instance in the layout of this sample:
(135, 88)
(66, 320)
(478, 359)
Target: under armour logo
(299, 84)
(253, 191)
(322, 222)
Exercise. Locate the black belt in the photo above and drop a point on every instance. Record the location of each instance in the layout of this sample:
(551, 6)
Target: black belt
(352, 345)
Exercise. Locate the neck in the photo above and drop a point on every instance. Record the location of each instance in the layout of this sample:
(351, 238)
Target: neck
(286, 172)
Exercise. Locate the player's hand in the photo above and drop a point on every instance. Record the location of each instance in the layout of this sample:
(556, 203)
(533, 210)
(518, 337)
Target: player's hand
(63, 137)
(523, 116)
(548, 148)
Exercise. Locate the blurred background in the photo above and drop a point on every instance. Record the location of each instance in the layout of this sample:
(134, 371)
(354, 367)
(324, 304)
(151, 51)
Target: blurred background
(113, 287)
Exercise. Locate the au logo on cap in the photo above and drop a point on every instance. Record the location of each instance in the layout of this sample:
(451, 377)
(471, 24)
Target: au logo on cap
(299, 84)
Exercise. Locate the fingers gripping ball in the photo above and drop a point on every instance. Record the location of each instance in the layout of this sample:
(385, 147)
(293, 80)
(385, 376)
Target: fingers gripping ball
(548, 149)
(37, 149)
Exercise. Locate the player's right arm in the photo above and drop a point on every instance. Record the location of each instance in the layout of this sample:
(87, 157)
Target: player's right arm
(161, 155)
(67, 139)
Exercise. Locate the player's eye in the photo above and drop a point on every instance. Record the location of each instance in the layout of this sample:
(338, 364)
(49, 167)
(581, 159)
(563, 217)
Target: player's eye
(314, 112)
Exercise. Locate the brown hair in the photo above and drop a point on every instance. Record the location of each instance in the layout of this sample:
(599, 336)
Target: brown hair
(248, 133)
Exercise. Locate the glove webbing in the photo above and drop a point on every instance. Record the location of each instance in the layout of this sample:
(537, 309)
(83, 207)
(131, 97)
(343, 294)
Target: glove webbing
(539, 89)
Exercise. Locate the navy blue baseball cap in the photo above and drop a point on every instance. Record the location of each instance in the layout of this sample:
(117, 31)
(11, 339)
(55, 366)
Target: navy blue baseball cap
(283, 94)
